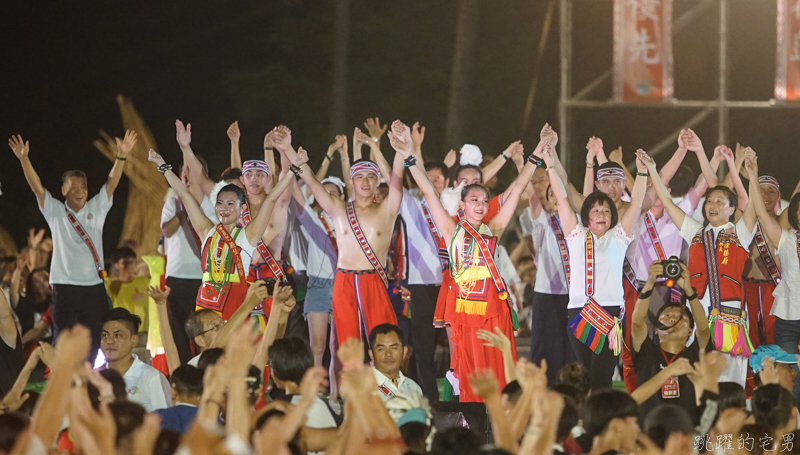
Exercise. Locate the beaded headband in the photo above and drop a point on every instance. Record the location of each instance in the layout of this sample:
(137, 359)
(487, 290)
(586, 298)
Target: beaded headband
(364, 166)
(255, 165)
(769, 180)
(610, 172)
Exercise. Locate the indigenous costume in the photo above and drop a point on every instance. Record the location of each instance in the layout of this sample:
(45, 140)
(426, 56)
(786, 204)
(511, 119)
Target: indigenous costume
(481, 302)
(717, 256)
(224, 281)
(360, 297)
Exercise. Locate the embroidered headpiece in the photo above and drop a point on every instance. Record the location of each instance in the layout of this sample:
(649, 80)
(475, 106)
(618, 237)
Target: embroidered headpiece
(364, 166)
(255, 165)
(610, 172)
(769, 180)
(335, 181)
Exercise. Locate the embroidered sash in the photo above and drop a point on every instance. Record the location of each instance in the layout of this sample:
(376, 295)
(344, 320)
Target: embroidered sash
(589, 264)
(88, 241)
(265, 253)
(555, 224)
(330, 232)
(712, 269)
(654, 238)
(437, 236)
(766, 255)
(487, 256)
(362, 241)
(214, 291)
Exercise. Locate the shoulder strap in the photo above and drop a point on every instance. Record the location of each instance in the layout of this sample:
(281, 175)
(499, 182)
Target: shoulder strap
(234, 249)
(555, 224)
(487, 256)
(328, 229)
(265, 253)
(362, 241)
(88, 241)
(766, 255)
(654, 238)
(589, 249)
(437, 236)
(712, 269)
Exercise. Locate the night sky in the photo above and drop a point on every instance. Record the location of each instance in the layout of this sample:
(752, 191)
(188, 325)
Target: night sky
(269, 63)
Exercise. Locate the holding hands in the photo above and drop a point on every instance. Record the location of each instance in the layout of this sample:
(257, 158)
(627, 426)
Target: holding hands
(548, 135)
(282, 138)
(593, 147)
(691, 141)
(400, 138)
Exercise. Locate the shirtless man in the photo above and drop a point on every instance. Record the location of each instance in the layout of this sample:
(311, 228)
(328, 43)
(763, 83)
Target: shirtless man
(363, 233)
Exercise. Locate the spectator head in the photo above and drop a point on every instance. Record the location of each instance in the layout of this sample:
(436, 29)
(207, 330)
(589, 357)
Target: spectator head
(297, 441)
(120, 334)
(753, 435)
(612, 414)
(770, 192)
(415, 435)
(598, 212)
(568, 420)
(382, 192)
(74, 188)
(187, 384)
(38, 290)
(720, 205)
(254, 384)
(209, 357)
(124, 260)
(455, 441)
(438, 175)
(731, 395)
(387, 349)
(783, 361)
(183, 171)
(202, 327)
(571, 392)
(167, 443)
(681, 182)
(773, 406)
(611, 180)
(334, 186)
(289, 359)
(118, 387)
(11, 425)
(577, 376)
(666, 419)
(510, 395)
(675, 323)
(467, 174)
(128, 417)
(232, 176)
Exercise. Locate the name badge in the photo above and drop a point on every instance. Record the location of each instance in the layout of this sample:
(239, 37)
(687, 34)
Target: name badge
(670, 389)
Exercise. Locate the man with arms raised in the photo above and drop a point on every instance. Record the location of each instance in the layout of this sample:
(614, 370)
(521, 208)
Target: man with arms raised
(363, 232)
(76, 272)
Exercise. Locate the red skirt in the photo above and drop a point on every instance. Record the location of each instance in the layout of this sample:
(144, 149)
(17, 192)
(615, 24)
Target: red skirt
(628, 373)
(446, 295)
(360, 302)
(225, 301)
(759, 299)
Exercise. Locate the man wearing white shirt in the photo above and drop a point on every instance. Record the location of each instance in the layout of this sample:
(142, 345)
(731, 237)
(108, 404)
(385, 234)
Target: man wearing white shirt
(145, 385)
(76, 271)
(387, 353)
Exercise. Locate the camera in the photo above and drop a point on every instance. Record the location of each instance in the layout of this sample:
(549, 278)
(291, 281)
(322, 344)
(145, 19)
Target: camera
(672, 270)
(270, 283)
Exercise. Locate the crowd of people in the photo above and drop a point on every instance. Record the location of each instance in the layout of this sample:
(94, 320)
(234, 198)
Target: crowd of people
(289, 311)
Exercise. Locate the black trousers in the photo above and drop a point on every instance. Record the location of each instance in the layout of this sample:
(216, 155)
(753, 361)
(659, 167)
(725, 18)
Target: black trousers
(601, 366)
(85, 305)
(549, 334)
(181, 303)
(423, 336)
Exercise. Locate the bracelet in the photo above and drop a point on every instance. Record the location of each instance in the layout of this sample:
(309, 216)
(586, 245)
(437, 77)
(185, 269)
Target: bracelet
(590, 164)
(121, 158)
(326, 158)
(691, 297)
(533, 431)
(296, 170)
(645, 295)
(548, 168)
(535, 160)
(504, 156)
(410, 161)
(376, 139)
(346, 158)
(643, 174)
(269, 148)
(164, 168)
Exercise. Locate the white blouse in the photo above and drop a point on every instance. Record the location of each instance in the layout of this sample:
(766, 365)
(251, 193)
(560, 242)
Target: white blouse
(609, 254)
(784, 307)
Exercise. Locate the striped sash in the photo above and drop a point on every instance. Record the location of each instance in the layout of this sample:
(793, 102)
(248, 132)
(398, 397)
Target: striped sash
(362, 241)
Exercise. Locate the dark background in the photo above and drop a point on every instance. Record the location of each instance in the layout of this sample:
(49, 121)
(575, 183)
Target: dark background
(269, 63)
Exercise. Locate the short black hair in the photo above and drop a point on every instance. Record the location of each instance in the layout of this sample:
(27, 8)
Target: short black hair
(577, 376)
(128, 416)
(666, 419)
(167, 443)
(456, 440)
(576, 395)
(464, 167)
(598, 197)
(187, 380)
(73, 173)
(118, 387)
(231, 188)
(568, 420)
(772, 406)
(209, 357)
(474, 186)
(513, 390)
(290, 358)
(124, 252)
(682, 181)
(756, 433)
(194, 325)
(680, 305)
(731, 395)
(232, 173)
(125, 317)
(604, 406)
(383, 329)
(414, 435)
(733, 200)
(11, 425)
(794, 207)
(437, 165)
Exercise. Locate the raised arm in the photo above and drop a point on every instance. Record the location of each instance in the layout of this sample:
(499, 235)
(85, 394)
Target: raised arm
(592, 148)
(123, 147)
(164, 328)
(21, 149)
(283, 142)
(200, 223)
(338, 143)
(375, 153)
(693, 143)
(395, 196)
(675, 213)
(282, 304)
(573, 195)
(769, 224)
(511, 200)
(8, 329)
(631, 215)
(269, 158)
(255, 230)
(417, 138)
(256, 294)
(234, 134)
(639, 317)
(183, 134)
(447, 225)
(494, 167)
(565, 212)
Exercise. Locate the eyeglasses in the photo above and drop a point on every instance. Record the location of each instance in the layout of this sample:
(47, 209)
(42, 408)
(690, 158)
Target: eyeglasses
(219, 325)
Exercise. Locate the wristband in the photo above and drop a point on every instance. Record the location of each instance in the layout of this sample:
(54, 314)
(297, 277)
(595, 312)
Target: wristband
(691, 297)
(643, 174)
(535, 160)
(645, 295)
(504, 156)
(269, 148)
(121, 158)
(295, 169)
(164, 168)
(410, 161)
(346, 158)
(548, 168)
(590, 164)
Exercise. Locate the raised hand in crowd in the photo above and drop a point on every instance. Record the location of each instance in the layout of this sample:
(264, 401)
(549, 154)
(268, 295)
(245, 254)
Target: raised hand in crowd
(374, 128)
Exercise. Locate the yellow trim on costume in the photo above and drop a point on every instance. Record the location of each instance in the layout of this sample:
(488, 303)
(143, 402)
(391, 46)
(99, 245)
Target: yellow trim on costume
(477, 307)
(226, 278)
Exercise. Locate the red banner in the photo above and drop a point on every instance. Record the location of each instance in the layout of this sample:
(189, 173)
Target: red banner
(643, 51)
(787, 71)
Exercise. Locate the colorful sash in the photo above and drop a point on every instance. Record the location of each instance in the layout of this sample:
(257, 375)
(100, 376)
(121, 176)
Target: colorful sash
(88, 241)
(213, 293)
(265, 253)
(654, 238)
(766, 255)
(330, 232)
(362, 241)
(712, 269)
(437, 237)
(555, 224)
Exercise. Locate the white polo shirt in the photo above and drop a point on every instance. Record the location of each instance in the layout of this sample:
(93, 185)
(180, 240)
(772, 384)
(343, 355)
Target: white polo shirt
(785, 306)
(147, 386)
(642, 247)
(551, 277)
(322, 256)
(609, 254)
(424, 265)
(388, 391)
(181, 259)
(72, 261)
